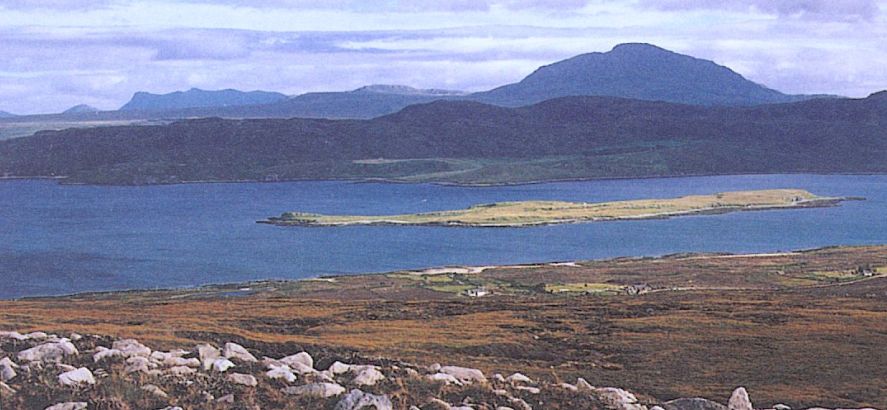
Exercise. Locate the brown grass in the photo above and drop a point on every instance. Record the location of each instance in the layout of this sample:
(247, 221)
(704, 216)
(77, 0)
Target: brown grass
(739, 325)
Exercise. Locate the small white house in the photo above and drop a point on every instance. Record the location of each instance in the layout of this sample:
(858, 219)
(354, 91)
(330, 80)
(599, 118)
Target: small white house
(477, 292)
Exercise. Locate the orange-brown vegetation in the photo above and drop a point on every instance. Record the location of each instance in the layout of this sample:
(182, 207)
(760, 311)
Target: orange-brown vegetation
(785, 326)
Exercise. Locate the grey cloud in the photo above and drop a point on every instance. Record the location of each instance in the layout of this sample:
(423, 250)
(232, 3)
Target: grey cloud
(55, 4)
(837, 10)
(405, 6)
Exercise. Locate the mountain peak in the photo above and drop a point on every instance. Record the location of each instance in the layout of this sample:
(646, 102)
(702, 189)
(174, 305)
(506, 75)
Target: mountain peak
(81, 109)
(639, 47)
(638, 71)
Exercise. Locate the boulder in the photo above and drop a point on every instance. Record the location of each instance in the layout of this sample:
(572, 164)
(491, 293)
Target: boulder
(7, 362)
(339, 368)
(161, 356)
(131, 347)
(693, 404)
(181, 361)
(12, 335)
(180, 371)
(464, 374)
(282, 372)
(520, 404)
(207, 354)
(315, 390)
(156, 391)
(518, 378)
(584, 386)
(48, 352)
(71, 405)
(446, 378)
(302, 358)
(76, 377)
(368, 376)
(568, 386)
(36, 336)
(739, 400)
(5, 389)
(7, 372)
(243, 379)
(236, 351)
(221, 365)
(139, 364)
(528, 389)
(358, 400)
(619, 399)
(228, 398)
(781, 406)
(103, 353)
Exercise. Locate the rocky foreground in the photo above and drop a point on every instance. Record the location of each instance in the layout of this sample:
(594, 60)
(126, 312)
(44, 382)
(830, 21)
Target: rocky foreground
(44, 371)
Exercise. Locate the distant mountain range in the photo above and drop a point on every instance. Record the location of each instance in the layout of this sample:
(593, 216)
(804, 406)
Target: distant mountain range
(4, 114)
(637, 71)
(474, 143)
(197, 98)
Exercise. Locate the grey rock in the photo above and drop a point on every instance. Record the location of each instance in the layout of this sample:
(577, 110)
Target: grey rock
(693, 404)
(358, 400)
(317, 390)
(7, 372)
(221, 365)
(243, 379)
(302, 358)
(207, 354)
(48, 352)
(739, 400)
(71, 405)
(228, 398)
(236, 351)
(368, 376)
(150, 388)
(131, 347)
(464, 374)
(77, 377)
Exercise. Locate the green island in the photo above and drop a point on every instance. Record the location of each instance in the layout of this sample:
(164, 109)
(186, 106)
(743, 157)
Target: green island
(535, 213)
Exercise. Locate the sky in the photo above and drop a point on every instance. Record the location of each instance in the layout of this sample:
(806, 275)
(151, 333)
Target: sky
(55, 54)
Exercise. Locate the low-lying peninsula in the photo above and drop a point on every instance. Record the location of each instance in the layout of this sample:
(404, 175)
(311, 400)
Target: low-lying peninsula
(534, 213)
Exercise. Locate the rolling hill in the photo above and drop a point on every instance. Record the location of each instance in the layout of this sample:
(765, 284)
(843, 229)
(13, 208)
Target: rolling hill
(473, 143)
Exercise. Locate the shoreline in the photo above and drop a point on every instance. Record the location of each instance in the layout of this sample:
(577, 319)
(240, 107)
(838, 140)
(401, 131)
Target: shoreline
(370, 180)
(207, 289)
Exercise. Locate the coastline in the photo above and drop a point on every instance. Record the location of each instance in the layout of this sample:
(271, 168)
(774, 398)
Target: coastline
(370, 180)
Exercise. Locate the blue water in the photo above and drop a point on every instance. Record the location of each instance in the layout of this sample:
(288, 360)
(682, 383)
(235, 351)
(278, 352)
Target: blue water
(57, 239)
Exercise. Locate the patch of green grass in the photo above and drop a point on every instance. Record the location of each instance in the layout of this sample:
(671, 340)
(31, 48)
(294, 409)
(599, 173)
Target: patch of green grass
(595, 288)
(450, 288)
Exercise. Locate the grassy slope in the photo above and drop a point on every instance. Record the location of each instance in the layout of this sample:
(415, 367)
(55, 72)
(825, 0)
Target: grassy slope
(796, 327)
(527, 213)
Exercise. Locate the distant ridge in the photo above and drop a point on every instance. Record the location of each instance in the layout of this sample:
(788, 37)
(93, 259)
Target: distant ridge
(4, 114)
(638, 71)
(196, 98)
(468, 142)
(405, 90)
(81, 109)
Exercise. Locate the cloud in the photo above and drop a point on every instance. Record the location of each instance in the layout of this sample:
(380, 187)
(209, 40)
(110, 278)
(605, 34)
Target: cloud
(55, 4)
(827, 10)
(99, 52)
